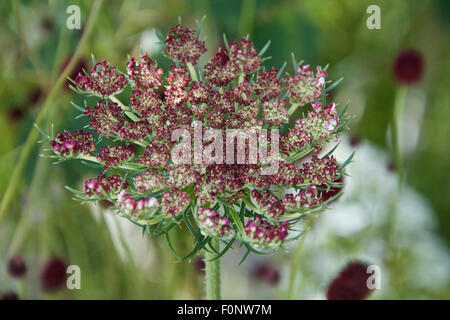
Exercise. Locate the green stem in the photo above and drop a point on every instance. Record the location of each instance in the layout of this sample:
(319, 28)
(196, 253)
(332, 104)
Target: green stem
(295, 261)
(192, 71)
(34, 135)
(397, 116)
(293, 108)
(213, 273)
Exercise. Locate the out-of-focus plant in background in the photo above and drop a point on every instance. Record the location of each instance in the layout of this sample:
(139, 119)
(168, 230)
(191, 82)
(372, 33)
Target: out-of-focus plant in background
(42, 224)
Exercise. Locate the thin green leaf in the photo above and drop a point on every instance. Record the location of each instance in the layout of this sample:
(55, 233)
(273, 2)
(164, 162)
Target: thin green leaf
(225, 41)
(281, 70)
(346, 162)
(334, 85)
(264, 49)
(294, 62)
(200, 25)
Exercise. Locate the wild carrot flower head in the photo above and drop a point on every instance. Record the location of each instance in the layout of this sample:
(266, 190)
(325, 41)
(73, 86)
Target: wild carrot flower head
(183, 45)
(164, 150)
(104, 80)
(145, 74)
(212, 224)
(219, 71)
(243, 56)
(68, 144)
(105, 118)
(306, 86)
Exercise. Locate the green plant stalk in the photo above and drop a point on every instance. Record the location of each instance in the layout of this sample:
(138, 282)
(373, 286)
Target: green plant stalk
(192, 71)
(397, 116)
(295, 261)
(34, 134)
(213, 283)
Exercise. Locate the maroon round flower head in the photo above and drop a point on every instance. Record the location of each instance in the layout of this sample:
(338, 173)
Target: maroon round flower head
(73, 144)
(9, 296)
(183, 45)
(145, 74)
(320, 171)
(114, 156)
(244, 57)
(306, 85)
(105, 118)
(350, 284)
(35, 95)
(200, 93)
(105, 80)
(104, 186)
(268, 204)
(408, 67)
(305, 199)
(174, 202)
(132, 207)
(218, 70)
(317, 127)
(136, 131)
(148, 106)
(275, 112)
(15, 113)
(261, 234)
(268, 86)
(355, 141)
(212, 224)
(53, 275)
(17, 267)
(267, 273)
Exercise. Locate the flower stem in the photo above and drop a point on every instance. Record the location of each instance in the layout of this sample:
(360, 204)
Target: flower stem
(397, 116)
(34, 135)
(296, 261)
(213, 283)
(192, 71)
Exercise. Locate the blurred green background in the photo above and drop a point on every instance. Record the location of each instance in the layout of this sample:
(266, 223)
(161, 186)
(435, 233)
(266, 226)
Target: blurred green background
(43, 221)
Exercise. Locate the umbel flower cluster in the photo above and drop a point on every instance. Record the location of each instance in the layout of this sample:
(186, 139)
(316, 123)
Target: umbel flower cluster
(128, 139)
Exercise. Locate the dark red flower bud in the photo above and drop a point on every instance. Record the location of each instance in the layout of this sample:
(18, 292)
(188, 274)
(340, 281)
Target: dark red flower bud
(268, 274)
(350, 284)
(15, 113)
(409, 67)
(17, 267)
(53, 275)
(355, 141)
(9, 296)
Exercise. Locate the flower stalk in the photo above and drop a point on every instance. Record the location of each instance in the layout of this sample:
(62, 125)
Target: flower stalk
(295, 262)
(397, 116)
(212, 278)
